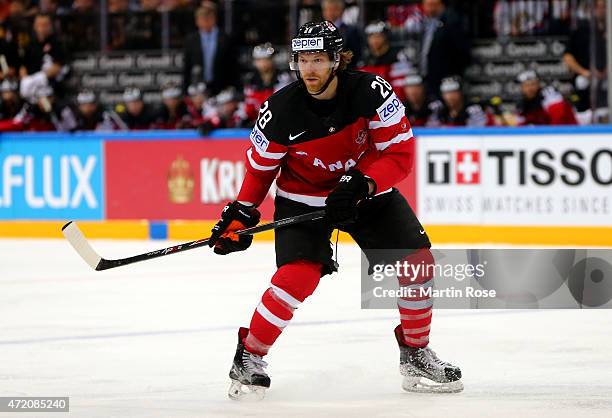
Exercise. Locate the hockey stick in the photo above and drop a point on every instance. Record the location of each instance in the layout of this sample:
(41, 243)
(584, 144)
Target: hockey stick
(78, 241)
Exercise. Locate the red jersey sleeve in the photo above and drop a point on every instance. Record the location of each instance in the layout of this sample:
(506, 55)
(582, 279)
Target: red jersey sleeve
(263, 160)
(559, 110)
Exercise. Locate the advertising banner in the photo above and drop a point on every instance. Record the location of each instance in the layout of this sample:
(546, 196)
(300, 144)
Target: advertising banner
(55, 179)
(544, 180)
(191, 179)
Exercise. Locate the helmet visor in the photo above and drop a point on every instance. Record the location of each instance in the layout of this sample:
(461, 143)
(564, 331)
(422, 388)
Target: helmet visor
(313, 61)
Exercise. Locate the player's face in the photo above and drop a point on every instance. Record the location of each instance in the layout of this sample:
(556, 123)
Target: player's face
(87, 109)
(376, 41)
(315, 70)
(415, 94)
(264, 65)
(171, 103)
(228, 109)
(530, 88)
(453, 99)
(9, 96)
(198, 100)
(134, 107)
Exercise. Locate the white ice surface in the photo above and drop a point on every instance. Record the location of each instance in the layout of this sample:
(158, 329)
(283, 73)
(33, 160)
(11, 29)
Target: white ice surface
(156, 339)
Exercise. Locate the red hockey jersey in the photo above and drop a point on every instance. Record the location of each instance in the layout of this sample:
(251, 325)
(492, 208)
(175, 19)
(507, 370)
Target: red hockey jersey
(547, 108)
(313, 142)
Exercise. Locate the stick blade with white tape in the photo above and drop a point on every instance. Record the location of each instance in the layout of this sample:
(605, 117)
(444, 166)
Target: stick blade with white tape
(78, 241)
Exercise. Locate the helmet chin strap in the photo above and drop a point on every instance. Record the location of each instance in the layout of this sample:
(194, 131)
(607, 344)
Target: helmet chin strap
(326, 85)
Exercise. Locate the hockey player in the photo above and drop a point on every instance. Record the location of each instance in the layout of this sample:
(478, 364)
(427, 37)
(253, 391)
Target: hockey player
(542, 106)
(173, 112)
(453, 110)
(418, 109)
(90, 116)
(46, 113)
(11, 102)
(135, 113)
(227, 113)
(341, 141)
(196, 102)
(265, 80)
(381, 58)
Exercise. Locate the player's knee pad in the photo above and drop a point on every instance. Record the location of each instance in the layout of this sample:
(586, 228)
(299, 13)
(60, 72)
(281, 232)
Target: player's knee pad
(298, 279)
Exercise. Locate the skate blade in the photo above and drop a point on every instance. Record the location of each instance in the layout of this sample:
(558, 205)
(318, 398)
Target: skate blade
(246, 393)
(418, 384)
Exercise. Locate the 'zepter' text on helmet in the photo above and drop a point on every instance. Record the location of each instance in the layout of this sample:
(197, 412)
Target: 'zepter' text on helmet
(316, 37)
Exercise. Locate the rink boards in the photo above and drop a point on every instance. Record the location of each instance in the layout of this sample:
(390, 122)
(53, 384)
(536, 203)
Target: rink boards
(548, 185)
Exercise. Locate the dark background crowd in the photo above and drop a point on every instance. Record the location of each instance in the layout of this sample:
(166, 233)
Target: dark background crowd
(225, 58)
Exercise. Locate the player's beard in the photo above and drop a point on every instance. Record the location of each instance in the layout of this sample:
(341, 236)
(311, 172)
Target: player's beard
(316, 84)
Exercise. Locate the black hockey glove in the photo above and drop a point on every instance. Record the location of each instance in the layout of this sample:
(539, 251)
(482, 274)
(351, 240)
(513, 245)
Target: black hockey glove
(235, 216)
(341, 204)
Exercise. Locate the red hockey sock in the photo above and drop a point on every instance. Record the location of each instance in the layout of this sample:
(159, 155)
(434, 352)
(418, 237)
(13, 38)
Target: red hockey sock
(415, 312)
(290, 285)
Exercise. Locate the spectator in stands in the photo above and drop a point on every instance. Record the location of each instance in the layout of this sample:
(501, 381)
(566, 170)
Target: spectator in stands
(333, 10)
(196, 103)
(209, 54)
(577, 57)
(10, 60)
(18, 9)
(135, 114)
(150, 5)
(453, 110)
(417, 106)
(264, 81)
(519, 17)
(228, 112)
(144, 28)
(89, 114)
(84, 6)
(445, 50)
(118, 6)
(11, 102)
(48, 6)
(171, 5)
(44, 56)
(83, 26)
(382, 59)
(5, 9)
(29, 7)
(410, 16)
(118, 22)
(542, 106)
(173, 113)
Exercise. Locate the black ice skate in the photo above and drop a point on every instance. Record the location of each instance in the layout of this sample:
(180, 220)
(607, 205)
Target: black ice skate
(249, 379)
(424, 372)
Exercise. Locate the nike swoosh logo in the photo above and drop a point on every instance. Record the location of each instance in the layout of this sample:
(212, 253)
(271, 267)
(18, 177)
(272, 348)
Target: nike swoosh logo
(421, 232)
(292, 137)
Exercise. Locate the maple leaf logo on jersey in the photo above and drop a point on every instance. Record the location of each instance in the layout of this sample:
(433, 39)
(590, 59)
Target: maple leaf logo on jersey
(362, 135)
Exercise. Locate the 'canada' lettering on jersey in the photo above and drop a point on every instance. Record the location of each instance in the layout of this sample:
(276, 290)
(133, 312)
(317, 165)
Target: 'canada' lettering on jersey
(313, 143)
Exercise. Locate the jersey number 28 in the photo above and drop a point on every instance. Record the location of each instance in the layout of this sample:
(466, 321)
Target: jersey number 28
(265, 115)
(381, 84)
